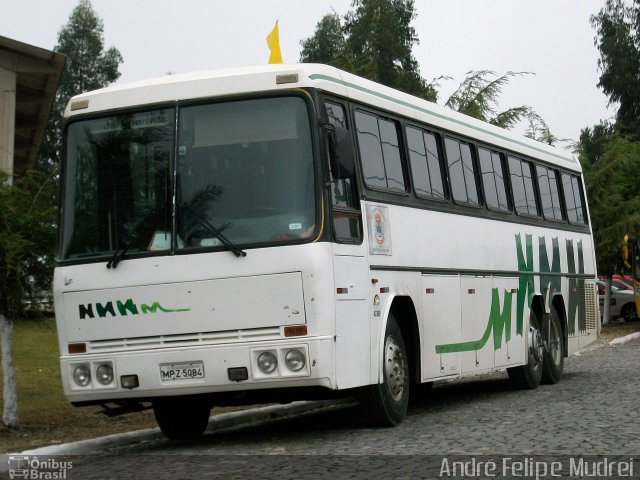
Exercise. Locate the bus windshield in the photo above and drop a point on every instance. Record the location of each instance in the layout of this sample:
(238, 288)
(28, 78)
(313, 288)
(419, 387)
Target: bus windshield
(243, 174)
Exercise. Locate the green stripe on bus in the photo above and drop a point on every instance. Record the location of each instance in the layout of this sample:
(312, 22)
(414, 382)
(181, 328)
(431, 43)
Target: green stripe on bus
(319, 76)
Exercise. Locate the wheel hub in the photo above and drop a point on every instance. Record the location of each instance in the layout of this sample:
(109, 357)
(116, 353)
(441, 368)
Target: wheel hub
(536, 344)
(395, 368)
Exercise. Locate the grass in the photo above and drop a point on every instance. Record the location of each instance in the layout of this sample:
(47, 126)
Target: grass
(45, 415)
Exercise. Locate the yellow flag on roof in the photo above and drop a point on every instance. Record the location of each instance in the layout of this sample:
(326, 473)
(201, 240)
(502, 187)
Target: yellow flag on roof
(273, 41)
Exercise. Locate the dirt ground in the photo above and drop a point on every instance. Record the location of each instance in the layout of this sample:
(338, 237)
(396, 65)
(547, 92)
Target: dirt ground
(83, 423)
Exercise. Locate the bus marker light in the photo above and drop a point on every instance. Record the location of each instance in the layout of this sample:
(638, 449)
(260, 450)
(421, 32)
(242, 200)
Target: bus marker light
(340, 291)
(129, 381)
(295, 330)
(384, 289)
(430, 291)
(238, 374)
(79, 105)
(77, 348)
(291, 78)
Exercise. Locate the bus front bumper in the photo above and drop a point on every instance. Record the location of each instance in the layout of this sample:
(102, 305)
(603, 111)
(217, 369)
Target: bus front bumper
(297, 362)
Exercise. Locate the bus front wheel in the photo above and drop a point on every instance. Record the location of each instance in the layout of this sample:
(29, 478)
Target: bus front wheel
(385, 404)
(180, 418)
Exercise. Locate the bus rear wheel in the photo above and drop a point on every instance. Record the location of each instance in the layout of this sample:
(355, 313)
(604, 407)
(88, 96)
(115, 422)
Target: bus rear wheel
(180, 418)
(385, 404)
(553, 352)
(528, 376)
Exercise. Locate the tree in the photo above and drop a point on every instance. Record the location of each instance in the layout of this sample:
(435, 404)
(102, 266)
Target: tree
(25, 264)
(375, 41)
(612, 189)
(618, 40)
(610, 153)
(28, 212)
(327, 45)
(88, 67)
(478, 95)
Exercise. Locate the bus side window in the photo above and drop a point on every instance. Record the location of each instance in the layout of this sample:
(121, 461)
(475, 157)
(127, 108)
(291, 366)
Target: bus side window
(462, 172)
(549, 193)
(426, 169)
(524, 198)
(493, 184)
(574, 199)
(347, 222)
(380, 152)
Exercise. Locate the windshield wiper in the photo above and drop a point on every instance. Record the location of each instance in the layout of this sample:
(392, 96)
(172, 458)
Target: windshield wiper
(119, 254)
(237, 251)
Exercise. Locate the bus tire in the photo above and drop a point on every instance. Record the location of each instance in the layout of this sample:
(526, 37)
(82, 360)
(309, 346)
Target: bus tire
(553, 363)
(528, 376)
(385, 404)
(181, 419)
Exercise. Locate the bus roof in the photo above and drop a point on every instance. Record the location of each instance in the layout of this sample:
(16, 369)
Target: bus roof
(224, 82)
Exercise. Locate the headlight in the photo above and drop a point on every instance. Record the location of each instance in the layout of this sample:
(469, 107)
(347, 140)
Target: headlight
(82, 375)
(295, 360)
(267, 362)
(104, 374)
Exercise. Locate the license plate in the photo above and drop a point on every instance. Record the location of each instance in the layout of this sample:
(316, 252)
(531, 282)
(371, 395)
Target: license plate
(181, 371)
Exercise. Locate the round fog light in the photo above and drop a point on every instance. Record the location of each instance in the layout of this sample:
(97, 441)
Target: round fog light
(82, 375)
(295, 360)
(104, 374)
(267, 362)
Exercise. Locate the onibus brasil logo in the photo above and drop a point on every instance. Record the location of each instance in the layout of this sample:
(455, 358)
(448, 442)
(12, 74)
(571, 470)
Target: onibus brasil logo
(22, 466)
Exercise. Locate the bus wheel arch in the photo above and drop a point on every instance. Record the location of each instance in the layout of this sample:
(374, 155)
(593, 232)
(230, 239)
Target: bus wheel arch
(404, 312)
(385, 404)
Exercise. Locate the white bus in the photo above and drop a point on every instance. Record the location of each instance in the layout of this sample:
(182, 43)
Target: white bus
(293, 231)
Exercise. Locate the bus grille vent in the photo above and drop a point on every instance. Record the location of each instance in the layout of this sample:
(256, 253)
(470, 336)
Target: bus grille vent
(590, 305)
(184, 340)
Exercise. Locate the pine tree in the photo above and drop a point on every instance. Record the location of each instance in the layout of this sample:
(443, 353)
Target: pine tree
(375, 41)
(88, 67)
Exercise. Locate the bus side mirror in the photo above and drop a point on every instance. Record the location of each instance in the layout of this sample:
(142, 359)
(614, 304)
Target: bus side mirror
(331, 146)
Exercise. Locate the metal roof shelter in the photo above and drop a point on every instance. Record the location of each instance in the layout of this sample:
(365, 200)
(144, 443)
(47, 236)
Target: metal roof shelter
(29, 78)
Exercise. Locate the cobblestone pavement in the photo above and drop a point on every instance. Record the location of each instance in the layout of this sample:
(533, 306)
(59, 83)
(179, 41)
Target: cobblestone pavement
(592, 411)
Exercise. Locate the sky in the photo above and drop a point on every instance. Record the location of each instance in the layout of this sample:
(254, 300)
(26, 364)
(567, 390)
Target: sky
(552, 39)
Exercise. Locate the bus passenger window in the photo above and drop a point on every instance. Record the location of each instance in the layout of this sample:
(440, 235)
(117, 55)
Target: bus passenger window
(426, 170)
(573, 198)
(380, 152)
(524, 198)
(462, 172)
(492, 169)
(549, 193)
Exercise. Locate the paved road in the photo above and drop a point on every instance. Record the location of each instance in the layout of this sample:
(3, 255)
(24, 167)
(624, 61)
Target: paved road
(592, 411)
